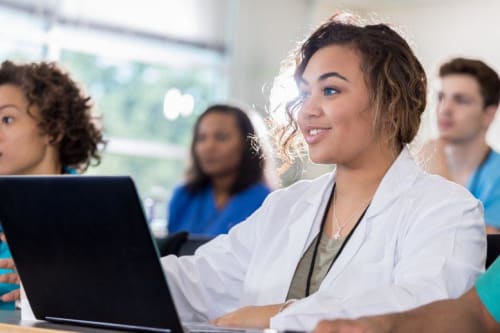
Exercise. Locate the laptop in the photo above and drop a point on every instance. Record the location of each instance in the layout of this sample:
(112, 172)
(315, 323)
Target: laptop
(85, 254)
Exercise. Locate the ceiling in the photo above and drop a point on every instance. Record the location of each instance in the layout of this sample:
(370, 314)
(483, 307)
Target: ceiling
(193, 20)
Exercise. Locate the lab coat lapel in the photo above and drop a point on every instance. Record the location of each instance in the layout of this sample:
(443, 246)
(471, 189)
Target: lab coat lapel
(303, 228)
(350, 249)
(398, 179)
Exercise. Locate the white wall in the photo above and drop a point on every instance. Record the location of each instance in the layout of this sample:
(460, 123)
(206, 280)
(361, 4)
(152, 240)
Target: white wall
(264, 33)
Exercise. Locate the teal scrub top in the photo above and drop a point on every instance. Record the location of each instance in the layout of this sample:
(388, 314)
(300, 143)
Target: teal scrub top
(488, 289)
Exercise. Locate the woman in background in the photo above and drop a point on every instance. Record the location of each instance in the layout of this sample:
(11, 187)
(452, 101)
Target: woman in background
(225, 182)
(46, 128)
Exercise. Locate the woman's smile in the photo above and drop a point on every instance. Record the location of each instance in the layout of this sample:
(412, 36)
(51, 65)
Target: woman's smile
(314, 135)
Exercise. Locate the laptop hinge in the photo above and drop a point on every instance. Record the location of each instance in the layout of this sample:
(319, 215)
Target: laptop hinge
(106, 325)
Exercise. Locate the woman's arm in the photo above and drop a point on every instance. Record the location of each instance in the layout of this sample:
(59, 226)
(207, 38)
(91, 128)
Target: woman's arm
(210, 283)
(8, 263)
(9, 278)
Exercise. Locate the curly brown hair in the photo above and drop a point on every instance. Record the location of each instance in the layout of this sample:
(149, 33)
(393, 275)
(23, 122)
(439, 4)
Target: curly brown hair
(65, 111)
(488, 79)
(395, 78)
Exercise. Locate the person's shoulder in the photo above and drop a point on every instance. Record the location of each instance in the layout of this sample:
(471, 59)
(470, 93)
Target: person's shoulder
(258, 189)
(489, 180)
(181, 193)
(495, 154)
(430, 187)
(183, 199)
(439, 185)
(434, 204)
(180, 190)
(300, 187)
(69, 170)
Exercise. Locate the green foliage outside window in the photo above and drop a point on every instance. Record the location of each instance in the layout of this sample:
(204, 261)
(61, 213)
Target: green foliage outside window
(129, 97)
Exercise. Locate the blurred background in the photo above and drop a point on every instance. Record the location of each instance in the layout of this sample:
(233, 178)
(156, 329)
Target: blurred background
(153, 66)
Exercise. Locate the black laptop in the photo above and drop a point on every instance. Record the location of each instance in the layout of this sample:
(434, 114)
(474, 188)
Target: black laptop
(85, 253)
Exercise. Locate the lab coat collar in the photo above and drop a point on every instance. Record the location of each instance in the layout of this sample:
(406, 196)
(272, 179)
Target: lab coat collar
(397, 180)
(314, 194)
(305, 221)
(400, 176)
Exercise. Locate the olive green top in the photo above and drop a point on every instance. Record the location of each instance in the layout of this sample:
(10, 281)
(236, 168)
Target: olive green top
(327, 250)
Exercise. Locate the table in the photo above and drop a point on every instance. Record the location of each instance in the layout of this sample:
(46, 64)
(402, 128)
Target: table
(14, 318)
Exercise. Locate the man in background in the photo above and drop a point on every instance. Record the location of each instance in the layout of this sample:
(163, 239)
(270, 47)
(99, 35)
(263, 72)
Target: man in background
(467, 103)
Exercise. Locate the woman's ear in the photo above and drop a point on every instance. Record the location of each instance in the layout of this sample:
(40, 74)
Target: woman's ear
(55, 138)
(56, 135)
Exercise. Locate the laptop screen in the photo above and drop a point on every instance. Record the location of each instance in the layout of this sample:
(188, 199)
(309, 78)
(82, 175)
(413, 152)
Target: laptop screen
(84, 251)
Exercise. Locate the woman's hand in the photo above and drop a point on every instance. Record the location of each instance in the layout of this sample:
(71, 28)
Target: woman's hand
(9, 278)
(249, 317)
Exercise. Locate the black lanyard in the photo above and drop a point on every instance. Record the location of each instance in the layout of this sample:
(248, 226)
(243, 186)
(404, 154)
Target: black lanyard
(477, 174)
(316, 245)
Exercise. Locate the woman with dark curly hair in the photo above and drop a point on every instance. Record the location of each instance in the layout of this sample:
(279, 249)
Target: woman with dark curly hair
(46, 121)
(46, 128)
(376, 235)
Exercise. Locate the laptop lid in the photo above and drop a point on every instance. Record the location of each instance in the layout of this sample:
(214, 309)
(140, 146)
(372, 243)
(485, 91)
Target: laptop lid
(85, 253)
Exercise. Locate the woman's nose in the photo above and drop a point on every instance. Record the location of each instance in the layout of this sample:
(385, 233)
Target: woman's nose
(311, 107)
(207, 145)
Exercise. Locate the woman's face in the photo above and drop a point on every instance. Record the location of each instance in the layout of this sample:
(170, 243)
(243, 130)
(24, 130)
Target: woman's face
(336, 116)
(23, 146)
(219, 144)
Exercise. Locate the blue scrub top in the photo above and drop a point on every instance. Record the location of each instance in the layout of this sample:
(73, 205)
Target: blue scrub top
(484, 184)
(198, 214)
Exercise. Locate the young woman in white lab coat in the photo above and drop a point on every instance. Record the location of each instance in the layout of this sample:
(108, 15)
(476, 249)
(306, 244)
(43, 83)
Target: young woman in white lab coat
(376, 235)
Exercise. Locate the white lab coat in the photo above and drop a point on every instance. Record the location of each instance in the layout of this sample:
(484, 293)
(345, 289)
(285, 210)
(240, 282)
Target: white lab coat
(422, 239)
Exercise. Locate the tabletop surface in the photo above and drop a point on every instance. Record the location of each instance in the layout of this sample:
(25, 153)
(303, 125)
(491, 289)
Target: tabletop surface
(14, 317)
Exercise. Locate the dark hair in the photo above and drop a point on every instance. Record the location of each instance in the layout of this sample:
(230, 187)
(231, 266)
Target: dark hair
(395, 78)
(486, 77)
(65, 112)
(251, 168)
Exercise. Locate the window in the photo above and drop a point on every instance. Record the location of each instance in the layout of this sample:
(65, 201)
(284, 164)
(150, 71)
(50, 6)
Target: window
(127, 72)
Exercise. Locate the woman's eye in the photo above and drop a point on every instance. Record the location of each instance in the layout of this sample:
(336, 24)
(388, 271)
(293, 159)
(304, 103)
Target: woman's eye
(199, 138)
(329, 91)
(221, 136)
(7, 120)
